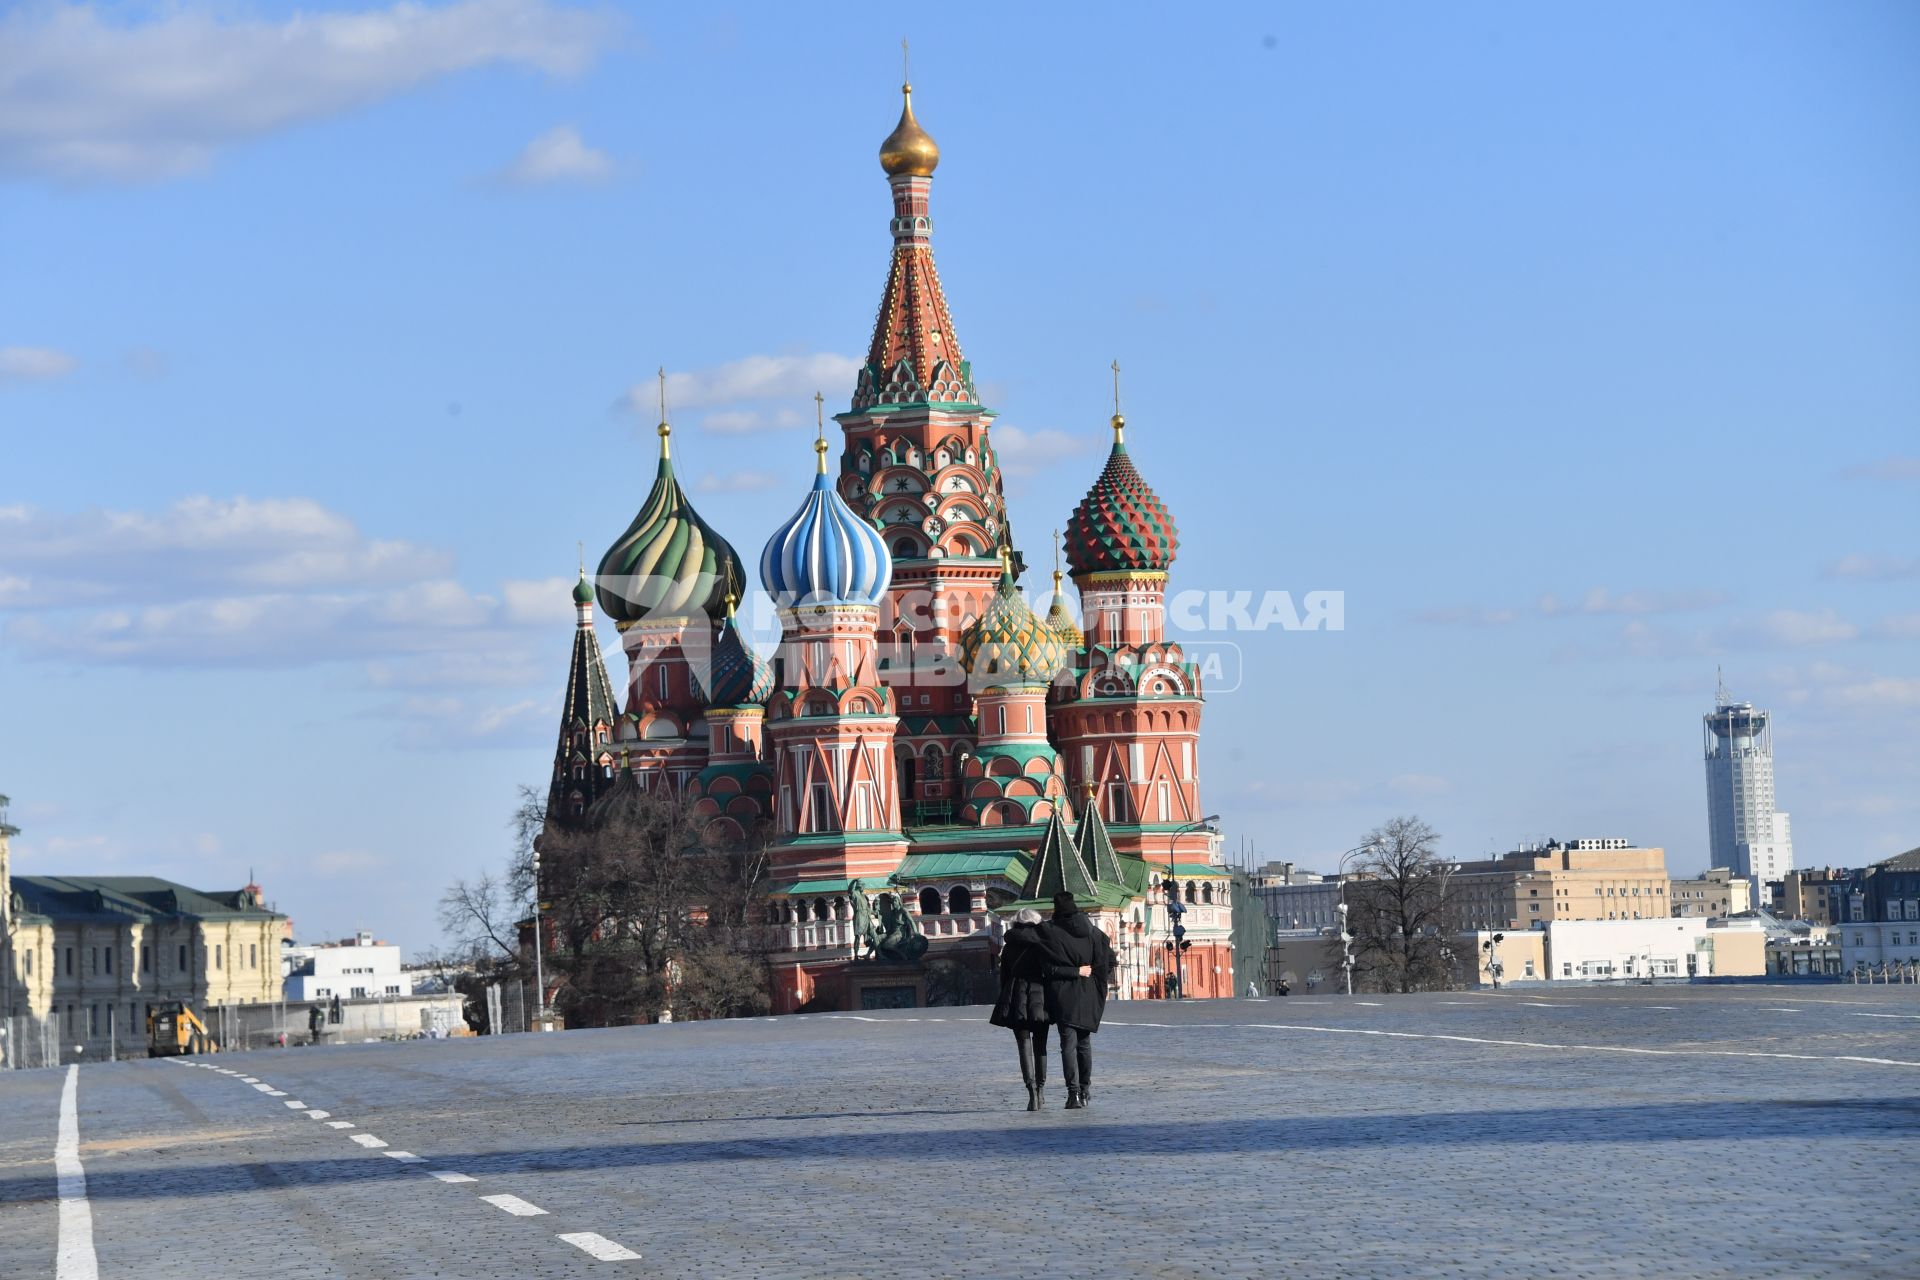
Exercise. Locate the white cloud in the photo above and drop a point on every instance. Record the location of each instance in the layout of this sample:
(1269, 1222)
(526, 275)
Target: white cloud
(1418, 784)
(730, 482)
(558, 155)
(1880, 692)
(1024, 452)
(277, 583)
(1599, 601)
(86, 98)
(1467, 616)
(32, 364)
(1897, 467)
(1791, 629)
(1875, 568)
(198, 545)
(456, 722)
(754, 393)
(1901, 626)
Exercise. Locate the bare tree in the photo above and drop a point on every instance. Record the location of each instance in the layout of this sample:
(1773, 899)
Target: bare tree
(649, 910)
(1397, 910)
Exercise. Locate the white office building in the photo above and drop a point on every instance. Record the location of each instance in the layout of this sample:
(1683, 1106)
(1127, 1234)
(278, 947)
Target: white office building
(356, 968)
(1746, 833)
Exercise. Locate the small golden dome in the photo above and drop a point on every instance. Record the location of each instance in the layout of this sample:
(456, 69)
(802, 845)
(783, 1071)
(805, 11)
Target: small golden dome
(909, 149)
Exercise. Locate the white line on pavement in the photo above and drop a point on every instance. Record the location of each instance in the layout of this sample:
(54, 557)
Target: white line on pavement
(291, 1105)
(599, 1246)
(1914, 1017)
(514, 1205)
(318, 1114)
(368, 1141)
(248, 1080)
(339, 1124)
(1668, 1008)
(448, 1175)
(1523, 1044)
(75, 1261)
(276, 1093)
(404, 1157)
(1542, 1004)
(1371, 1004)
(261, 1087)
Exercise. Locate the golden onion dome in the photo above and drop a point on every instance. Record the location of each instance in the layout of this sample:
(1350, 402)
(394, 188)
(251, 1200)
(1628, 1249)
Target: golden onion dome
(909, 149)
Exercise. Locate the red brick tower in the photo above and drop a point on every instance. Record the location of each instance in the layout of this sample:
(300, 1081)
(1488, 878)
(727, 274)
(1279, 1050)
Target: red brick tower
(1130, 725)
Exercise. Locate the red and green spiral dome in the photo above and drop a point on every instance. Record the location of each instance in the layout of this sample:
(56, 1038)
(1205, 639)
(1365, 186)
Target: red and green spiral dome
(1121, 526)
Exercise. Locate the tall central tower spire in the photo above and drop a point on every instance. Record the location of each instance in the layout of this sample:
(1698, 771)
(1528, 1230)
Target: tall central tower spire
(914, 357)
(919, 467)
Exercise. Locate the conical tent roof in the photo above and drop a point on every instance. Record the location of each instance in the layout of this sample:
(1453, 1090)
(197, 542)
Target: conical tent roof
(1096, 848)
(1057, 867)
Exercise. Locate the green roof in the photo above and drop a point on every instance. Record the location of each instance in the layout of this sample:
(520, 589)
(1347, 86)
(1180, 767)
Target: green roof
(1200, 869)
(131, 897)
(808, 888)
(1010, 864)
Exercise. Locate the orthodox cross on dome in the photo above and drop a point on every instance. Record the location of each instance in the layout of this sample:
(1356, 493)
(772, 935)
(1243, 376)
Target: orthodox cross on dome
(665, 430)
(820, 429)
(1119, 423)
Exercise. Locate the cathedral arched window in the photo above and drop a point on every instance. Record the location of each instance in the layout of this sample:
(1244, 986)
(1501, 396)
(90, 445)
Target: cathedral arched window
(820, 909)
(1206, 893)
(1189, 891)
(960, 901)
(929, 901)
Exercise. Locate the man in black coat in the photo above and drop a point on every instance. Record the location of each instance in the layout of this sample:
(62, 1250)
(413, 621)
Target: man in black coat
(1022, 1004)
(1080, 963)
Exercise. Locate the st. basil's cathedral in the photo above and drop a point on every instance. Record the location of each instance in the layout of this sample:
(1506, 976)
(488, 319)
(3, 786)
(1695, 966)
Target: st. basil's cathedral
(922, 740)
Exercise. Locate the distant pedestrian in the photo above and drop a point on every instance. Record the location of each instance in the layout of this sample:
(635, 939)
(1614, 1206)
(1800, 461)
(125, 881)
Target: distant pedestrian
(1080, 964)
(1022, 1004)
(1253, 990)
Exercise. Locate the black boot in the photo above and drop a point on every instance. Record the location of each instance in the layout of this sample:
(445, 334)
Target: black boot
(1033, 1097)
(1073, 1100)
(1086, 1095)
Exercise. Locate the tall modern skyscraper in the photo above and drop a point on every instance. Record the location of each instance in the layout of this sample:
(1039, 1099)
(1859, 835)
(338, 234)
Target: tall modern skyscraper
(1745, 832)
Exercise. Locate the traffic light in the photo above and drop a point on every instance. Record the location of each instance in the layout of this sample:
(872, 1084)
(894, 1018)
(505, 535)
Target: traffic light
(1186, 944)
(1179, 931)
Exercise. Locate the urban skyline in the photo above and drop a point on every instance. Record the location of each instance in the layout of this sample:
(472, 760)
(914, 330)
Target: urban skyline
(228, 582)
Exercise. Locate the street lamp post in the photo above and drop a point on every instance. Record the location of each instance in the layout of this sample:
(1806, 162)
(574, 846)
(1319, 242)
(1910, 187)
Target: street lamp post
(539, 972)
(1177, 932)
(1346, 934)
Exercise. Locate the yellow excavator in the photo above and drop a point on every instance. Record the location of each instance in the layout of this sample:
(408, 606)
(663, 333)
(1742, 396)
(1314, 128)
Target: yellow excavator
(173, 1029)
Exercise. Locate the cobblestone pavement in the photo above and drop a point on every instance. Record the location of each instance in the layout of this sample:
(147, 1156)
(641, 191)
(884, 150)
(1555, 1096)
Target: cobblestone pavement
(1630, 1131)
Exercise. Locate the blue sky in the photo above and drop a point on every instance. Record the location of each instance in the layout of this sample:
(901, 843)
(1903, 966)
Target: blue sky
(1575, 345)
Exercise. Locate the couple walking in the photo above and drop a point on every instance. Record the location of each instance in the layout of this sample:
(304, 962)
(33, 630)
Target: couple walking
(1054, 973)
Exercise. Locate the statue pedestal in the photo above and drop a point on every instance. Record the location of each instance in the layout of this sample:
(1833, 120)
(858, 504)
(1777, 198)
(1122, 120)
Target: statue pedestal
(885, 986)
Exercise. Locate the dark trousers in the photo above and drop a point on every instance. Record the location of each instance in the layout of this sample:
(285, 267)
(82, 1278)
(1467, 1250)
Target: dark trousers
(1076, 1057)
(1032, 1043)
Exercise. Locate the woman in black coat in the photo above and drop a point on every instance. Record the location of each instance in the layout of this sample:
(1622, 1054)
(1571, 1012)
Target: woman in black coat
(1079, 964)
(1022, 1005)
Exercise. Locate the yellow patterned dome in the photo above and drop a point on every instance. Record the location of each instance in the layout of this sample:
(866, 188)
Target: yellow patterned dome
(1008, 645)
(909, 149)
(1060, 618)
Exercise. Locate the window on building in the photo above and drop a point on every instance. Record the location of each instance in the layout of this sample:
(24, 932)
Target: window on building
(70, 960)
(146, 959)
(107, 955)
(960, 901)
(183, 957)
(1165, 790)
(253, 955)
(219, 956)
(28, 963)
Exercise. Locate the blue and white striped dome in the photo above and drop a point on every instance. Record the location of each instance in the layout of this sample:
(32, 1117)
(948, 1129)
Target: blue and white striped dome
(826, 554)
